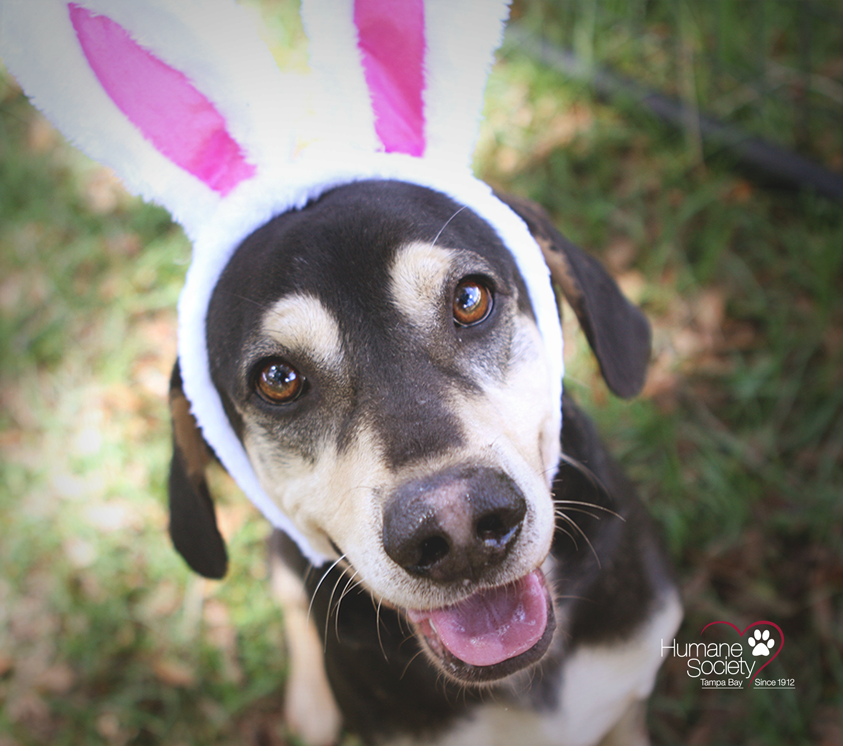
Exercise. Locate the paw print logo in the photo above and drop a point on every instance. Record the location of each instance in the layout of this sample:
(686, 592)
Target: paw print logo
(761, 642)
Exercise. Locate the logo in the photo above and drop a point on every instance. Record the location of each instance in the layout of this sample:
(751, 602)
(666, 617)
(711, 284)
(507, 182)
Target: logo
(732, 665)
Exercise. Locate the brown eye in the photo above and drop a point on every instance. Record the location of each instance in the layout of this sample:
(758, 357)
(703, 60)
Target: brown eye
(279, 383)
(472, 303)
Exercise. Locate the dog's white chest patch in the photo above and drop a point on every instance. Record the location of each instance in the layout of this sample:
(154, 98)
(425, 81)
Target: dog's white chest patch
(601, 683)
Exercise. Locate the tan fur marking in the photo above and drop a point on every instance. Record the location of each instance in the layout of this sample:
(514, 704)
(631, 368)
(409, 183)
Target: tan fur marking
(332, 497)
(301, 323)
(560, 270)
(542, 228)
(187, 436)
(417, 277)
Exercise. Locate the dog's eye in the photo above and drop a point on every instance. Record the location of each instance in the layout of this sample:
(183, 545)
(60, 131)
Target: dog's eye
(472, 302)
(278, 382)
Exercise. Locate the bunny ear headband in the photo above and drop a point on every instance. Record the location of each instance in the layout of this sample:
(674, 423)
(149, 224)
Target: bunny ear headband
(184, 101)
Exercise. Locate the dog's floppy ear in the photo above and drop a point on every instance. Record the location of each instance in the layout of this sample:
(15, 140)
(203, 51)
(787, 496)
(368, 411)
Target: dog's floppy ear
(193, 522)
(619, 334)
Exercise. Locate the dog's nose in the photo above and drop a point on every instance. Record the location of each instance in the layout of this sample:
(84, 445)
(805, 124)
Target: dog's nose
(454, 525)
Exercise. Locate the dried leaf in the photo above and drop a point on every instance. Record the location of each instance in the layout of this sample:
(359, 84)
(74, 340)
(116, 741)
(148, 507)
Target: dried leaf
(173, 672)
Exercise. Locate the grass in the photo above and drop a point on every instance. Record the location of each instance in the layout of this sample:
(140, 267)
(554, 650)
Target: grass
(736, 443)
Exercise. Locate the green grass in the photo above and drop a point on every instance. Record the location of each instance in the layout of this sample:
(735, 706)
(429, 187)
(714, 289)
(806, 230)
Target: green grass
(772, 67)
(736, 444)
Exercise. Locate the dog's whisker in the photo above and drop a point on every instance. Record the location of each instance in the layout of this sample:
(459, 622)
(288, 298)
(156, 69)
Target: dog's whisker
(560, 513)
(410, 662)
(571, 596)
(335, 608)
(378, 628)
(585, 471)
(582, 533)
(563, 513)
(262, 306)
(319, 584)
(331, 607)
(594, 506)
(569, 535)
(436, 238)
(442, 682)
(490, 695)
(349, 585)
(464, 693)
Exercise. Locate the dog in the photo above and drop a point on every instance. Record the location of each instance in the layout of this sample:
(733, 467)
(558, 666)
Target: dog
(378, 366)
(378, 356)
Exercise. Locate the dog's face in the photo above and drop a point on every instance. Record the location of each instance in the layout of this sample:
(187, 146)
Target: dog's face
(378, 356)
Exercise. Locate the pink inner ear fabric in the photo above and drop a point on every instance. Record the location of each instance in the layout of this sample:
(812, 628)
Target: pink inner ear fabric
(391, 41)
(161, 102)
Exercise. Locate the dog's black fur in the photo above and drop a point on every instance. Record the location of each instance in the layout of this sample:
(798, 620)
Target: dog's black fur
(608, 572)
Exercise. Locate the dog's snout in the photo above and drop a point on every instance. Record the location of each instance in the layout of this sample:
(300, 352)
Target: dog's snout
(455, 525)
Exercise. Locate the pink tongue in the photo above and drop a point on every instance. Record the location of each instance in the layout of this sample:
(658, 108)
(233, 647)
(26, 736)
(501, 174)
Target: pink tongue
(494, 625)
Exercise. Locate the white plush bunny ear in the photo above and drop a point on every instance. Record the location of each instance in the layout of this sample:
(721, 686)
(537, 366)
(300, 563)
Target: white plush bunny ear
(179, 98)
(405, 77)
(184, 101)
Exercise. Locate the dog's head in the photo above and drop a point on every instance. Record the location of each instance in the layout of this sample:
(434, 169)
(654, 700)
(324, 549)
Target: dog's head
(373, 372)
(378, 355)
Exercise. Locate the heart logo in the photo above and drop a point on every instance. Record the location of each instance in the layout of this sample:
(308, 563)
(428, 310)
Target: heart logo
(760, 643)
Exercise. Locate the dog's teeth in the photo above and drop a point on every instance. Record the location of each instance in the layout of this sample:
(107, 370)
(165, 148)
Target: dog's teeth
(432, 626)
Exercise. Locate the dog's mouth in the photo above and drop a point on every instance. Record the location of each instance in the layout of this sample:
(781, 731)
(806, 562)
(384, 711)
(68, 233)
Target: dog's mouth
(492, 633)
